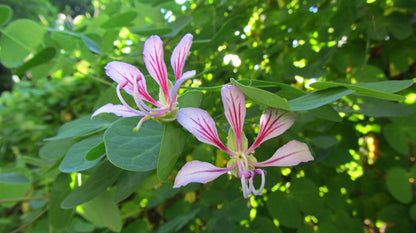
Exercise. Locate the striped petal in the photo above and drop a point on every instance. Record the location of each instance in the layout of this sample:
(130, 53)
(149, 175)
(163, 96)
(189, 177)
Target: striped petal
(202, 126)
(198, 172)
(174, 91)
(155, 65)
(118, 110)
(179, 55)
(124, 74)
(273, 122)
(291, 154)
(235, 110)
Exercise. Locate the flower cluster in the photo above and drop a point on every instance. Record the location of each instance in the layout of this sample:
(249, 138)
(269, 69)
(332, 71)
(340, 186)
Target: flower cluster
(242, 162)
(132, 81)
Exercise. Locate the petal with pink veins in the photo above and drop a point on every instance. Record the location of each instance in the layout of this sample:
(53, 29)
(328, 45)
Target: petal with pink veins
(124, 74)
(179, 55)
(234, 109)
(291, 154)
(202, 126)
(273, 122)
(198, 172)
(174, 91)
(155, 65)
(118, 110)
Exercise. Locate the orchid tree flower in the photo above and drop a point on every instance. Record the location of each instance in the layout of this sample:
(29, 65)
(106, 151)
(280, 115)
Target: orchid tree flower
(242, 162)
(133, 82)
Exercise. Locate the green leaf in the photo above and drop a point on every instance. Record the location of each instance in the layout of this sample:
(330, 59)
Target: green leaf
(264, 225)
(41, 57)
(172, 145)
(59, 218)
(399, 25)
(190, 99)
(326, 112)
(262, 97)
(398, 184)
(13, 178)
(412, 212)
(5, 14)
(19, 39)
(13, 191)
(133, 151)
(395, 134)
(178, 222)
(92, 46)
(284, 209)
(318, 98)
(306, 193)
(75, 159)
(379, 90)
(95, 152)
(382, 108)
(55, 149)
(178, 25)
(104, 176)
(101, 211)
(128, 183)
(80, 127)
(120, 20)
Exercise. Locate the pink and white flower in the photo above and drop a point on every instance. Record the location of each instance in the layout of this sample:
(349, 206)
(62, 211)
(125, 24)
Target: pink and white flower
(133, 82)
(242, 163)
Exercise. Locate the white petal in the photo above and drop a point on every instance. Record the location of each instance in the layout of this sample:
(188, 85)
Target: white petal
(234, 109)
(198, 172)
(291, 154)
(155, 65)
(179, 55)
(273, 122)
(123, 73)
(118, 110)
(202, 126)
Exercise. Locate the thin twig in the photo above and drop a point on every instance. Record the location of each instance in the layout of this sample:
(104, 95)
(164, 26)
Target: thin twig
(31, 221)
(24, 199)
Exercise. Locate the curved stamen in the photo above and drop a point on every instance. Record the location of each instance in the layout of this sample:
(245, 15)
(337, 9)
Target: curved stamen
(145, 118)
(263, 181)
(120, 97)
(141, 105)
(246, 189)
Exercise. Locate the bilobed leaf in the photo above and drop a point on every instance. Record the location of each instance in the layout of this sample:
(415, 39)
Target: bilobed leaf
(80, 127)
(5, 14)
(95, 152)
(58, 217)
(262, 97)
(105, 175)
(18, 40)
(41, 57)
(101, 211)
(170, 149)
(74, 160)
(397, 182)
(318, 98)
(133, 151)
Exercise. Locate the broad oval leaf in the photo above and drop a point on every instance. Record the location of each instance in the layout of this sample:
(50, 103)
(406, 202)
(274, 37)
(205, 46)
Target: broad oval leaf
(5, 14)
(133, 151)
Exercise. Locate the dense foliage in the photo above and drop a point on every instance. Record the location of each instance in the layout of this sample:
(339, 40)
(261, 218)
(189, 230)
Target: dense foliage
(346, 67)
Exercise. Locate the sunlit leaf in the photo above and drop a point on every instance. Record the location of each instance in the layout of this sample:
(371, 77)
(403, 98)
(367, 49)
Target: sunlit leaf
(318, 98)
